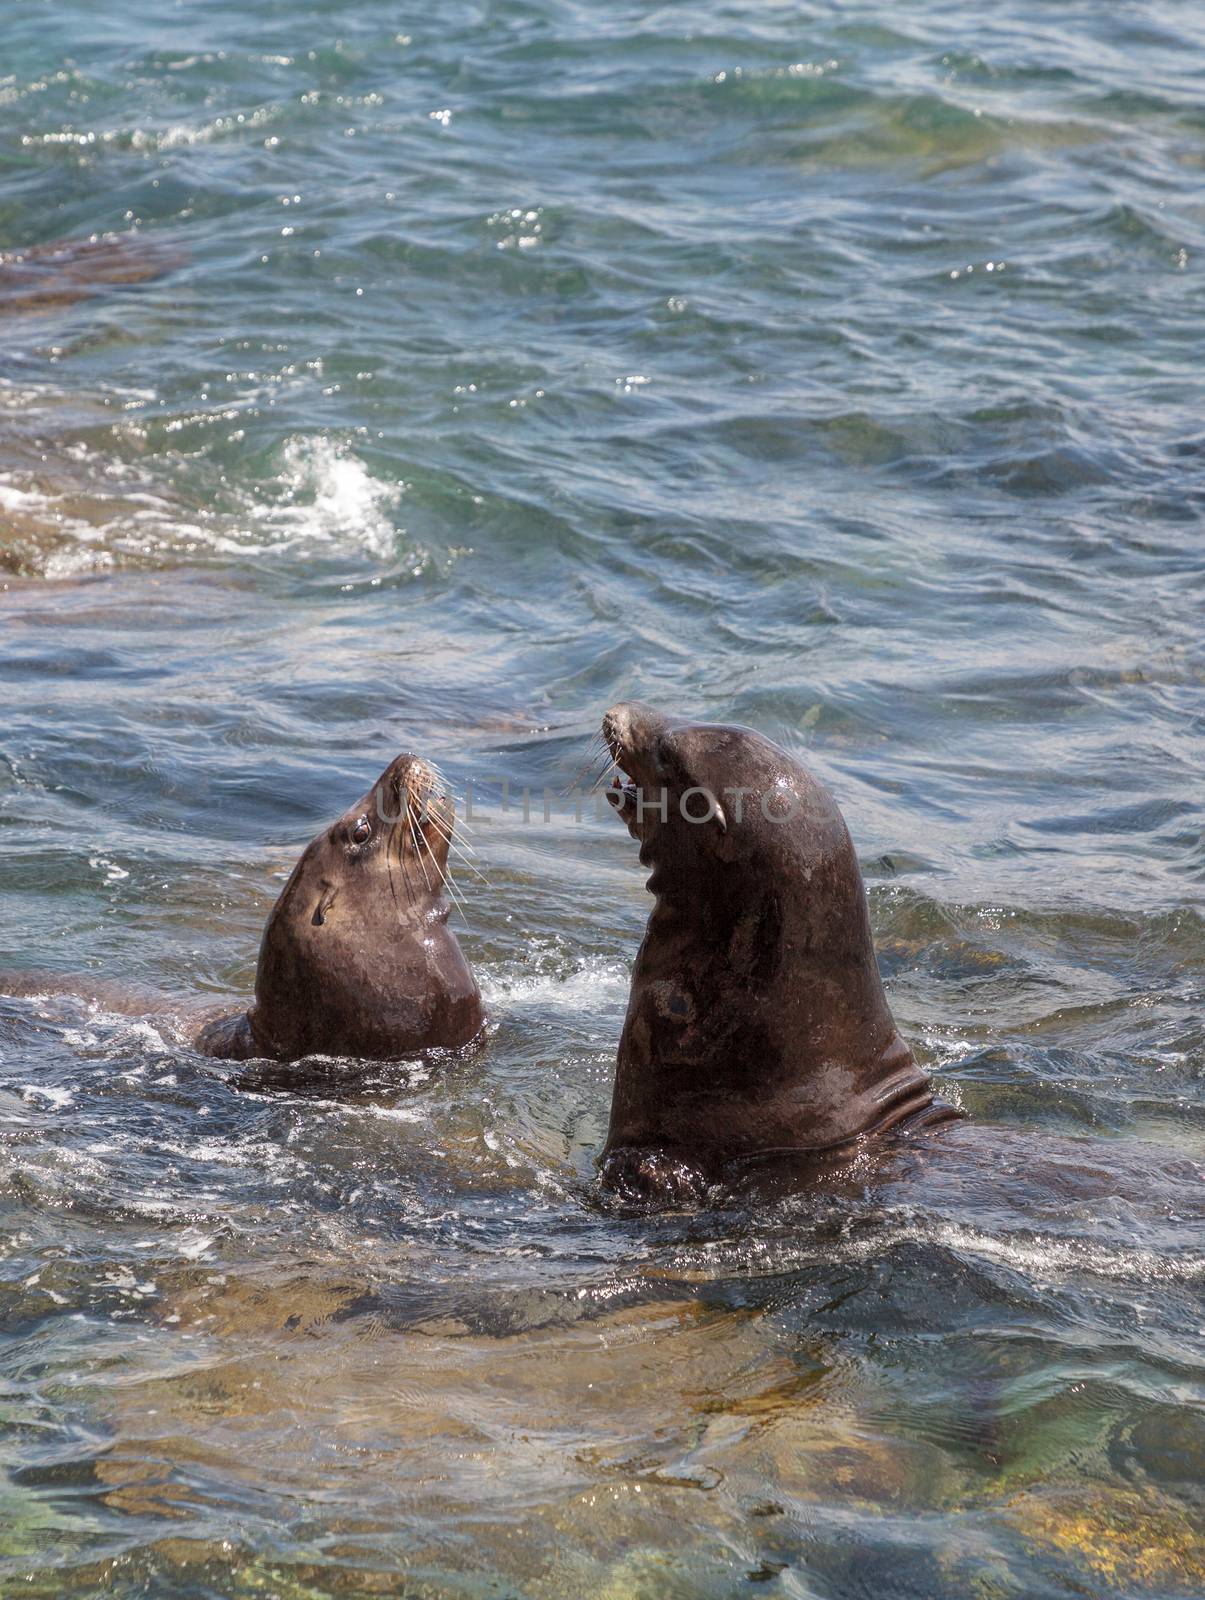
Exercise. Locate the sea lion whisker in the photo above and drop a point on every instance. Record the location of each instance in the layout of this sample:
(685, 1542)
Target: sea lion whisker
(445, 832)
(444, 828)
(459, 822)
(458, 899)
(471, 866)
(603, 757)
(444, 876)
(423, 843)
(449, 884)
(414, 834)
(399, 839)
(610, 766)
(475, 870)
(455, 846)
(595, 751)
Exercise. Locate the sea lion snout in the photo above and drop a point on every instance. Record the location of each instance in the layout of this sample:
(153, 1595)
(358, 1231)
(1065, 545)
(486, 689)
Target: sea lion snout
(410, 803)
(407, 783)
(631, 730)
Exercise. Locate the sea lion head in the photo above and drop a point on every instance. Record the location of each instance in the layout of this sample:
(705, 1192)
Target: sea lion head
(700, 794)
(356, 957)
(757, 1019)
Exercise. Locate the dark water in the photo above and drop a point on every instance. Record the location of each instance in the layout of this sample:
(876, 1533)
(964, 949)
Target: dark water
(459, 371)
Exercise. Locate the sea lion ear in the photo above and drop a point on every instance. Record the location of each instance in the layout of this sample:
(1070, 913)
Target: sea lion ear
(720, 818)
(324, 904)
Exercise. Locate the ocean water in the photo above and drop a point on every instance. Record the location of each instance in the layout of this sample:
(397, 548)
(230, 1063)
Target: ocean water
(408, 377)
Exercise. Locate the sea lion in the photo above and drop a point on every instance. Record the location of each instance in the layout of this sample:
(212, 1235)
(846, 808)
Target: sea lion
(357, 958)
(757, 1021)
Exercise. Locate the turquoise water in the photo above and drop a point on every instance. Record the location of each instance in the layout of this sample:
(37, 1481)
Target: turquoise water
(831, 368)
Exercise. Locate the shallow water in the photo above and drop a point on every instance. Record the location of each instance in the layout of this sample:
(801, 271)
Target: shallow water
(834, 369)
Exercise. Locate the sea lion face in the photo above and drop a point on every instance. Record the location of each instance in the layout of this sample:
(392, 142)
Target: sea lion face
(757, 1018)
(705, 793)
(393, 841)
(356, 958)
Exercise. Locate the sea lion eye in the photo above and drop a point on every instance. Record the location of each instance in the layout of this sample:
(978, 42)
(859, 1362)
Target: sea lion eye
(362, 832)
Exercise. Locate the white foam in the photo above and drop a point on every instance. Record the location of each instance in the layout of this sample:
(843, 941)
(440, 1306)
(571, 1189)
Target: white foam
(168, 138)
(57, 1099)
(29, 500)
(104, 507)
(73, 561)
(194, 1246)
(943, 1051)
(329, 496)
(110, 519)
(120, 1034)
(14, 499)
(596, 984)
(113, 873)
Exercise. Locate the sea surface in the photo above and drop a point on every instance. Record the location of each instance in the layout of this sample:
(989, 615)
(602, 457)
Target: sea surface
(430, 377)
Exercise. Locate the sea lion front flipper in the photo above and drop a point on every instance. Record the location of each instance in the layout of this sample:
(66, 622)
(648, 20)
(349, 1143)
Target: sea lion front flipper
(227, 1038)
(653, 1176)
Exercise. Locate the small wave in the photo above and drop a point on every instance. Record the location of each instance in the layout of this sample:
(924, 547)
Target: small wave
(114, 1035)
(328, 495)
(87, 141)
(89, 510)
(55, 1099)
(1041, 1258)
(393, 1113)
(45, 536)
(597, 984)
(195, 1246)
(71, 508)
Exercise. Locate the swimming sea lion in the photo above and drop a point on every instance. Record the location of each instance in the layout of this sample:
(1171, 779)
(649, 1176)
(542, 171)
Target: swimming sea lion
(757, 1021)
(357, 958)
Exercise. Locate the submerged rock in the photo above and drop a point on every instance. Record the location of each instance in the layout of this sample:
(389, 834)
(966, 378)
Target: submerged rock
(43, 276)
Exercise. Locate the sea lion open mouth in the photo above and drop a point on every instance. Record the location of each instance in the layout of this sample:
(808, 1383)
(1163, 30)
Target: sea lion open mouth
(621, 730)
(757, 1020)
(622, 791)
(622, 796)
